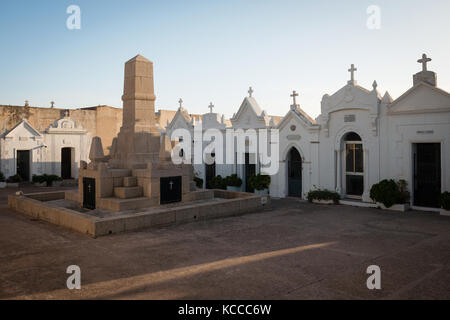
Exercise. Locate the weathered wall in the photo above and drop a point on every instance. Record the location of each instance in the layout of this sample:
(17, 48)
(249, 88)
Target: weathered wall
(102, 121)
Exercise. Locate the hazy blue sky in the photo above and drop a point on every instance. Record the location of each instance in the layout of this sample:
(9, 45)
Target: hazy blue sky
(214, 50)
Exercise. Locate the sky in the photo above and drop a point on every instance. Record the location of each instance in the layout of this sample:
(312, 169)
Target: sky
(212, 51)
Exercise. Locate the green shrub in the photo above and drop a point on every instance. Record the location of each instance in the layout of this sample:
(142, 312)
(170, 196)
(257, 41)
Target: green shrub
(259, 181)
(217, 183)
(198, 182)
(47, 178)
(389, 192)
(233, 181)
(14, 179)
(323, 194)
(2, 177)
(445, 200)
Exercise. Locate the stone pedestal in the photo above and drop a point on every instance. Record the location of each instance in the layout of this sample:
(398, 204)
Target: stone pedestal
(140, 157)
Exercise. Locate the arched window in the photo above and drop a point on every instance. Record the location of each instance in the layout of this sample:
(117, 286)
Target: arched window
(354, 164)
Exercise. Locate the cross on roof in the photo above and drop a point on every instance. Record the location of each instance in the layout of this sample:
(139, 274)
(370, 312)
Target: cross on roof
(424, 61)
(352, 72)
(180, 102)
(66, 113)
(211, 106)
(52, 103)
(250, 92)
(294, 95)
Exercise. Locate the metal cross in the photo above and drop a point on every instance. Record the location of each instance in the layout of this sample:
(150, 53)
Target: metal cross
(294, 95)
(250, 92)
(180, 102)
(52, 103)
(211, 106)
(424, 61)
(352, 72)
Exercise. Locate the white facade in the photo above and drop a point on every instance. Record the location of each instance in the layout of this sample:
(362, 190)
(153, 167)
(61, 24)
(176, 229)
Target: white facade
(26, 151)
(359, 139)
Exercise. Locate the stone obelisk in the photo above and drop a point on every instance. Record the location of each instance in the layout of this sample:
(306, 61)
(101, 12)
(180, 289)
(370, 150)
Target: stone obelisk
(138, 141)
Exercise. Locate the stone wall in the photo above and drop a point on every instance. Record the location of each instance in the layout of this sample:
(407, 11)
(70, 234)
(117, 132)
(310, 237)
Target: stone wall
(102, 121)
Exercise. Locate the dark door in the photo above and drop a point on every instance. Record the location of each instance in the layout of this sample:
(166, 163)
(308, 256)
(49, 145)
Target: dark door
(210, 173)
(66, 163)
(23, 164)
(89, 193)
(294, 173)
(427, 174)
(250, 169)
(170, 189)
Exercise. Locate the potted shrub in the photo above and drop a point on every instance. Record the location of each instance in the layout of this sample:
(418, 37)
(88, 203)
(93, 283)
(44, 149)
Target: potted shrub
(233, 183)
(445, 203)
(2, 180)
(38, 180)
(218, 183)
(13, 181)
(391, 195)
(260, 183)
(46, 179)
(323, 196)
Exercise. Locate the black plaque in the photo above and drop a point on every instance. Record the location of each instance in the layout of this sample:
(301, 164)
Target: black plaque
(89, 193)
(170, 189)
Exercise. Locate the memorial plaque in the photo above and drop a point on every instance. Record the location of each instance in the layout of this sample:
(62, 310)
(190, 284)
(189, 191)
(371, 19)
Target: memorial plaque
(89, 193)
(170, 189)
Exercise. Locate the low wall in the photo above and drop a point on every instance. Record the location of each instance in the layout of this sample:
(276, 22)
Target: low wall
(39, 209)
(230, 204)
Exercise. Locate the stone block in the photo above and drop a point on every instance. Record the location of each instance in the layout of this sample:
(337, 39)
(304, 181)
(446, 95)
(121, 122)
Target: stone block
(128, 192)
(129, 181)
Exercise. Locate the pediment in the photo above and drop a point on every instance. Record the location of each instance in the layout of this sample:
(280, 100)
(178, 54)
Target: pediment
(249, 114)
(23, 130)
(65, 125)
(180, 120)
(299, 117)
(422, 98)
(350, 97)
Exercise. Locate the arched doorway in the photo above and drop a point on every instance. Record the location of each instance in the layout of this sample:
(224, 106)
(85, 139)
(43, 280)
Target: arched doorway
(353, 165)
(294, 173)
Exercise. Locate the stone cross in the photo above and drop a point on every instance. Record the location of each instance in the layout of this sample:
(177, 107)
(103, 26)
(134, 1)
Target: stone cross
(352, 72)
(171, 184)
(180, 102)
(424, 61)
(211, 106)
(66, 113)
(27, 103)
(250, 92)
(52, 103)
(294, 95)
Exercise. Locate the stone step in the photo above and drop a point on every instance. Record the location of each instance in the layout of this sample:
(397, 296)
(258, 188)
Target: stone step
(130, 182)
(128, 192)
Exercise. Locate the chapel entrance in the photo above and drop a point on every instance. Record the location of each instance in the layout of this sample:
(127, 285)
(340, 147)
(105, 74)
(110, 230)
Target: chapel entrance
(66, 163)
(294, 173)
(23, 164)
(427, 174)
(354, 166)
(210, 172)
(249, 170)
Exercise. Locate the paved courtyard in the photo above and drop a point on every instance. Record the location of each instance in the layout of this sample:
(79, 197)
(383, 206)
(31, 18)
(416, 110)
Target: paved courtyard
(292, 250)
